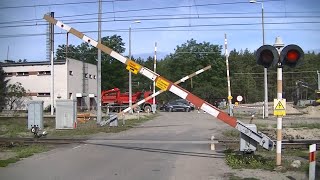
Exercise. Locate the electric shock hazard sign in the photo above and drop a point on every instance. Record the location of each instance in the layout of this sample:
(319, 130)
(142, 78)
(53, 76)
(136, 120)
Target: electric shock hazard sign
(279, 107)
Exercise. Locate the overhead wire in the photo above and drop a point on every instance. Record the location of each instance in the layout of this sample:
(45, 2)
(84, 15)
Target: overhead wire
(158, 19)
(56, 4)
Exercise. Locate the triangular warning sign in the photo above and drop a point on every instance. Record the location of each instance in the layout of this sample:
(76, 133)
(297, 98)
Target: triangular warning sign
(279, 106)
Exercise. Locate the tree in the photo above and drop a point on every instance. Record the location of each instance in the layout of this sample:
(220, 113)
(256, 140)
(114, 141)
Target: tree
(3, 87)
(190, 57)
(15, 96)
(113, 72)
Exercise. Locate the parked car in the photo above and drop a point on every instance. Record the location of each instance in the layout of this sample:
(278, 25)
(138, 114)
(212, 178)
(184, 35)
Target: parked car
(176, 106)
(186, 102)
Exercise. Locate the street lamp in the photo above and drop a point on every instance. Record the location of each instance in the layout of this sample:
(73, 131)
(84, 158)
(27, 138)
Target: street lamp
(265, 69)
(130, 81)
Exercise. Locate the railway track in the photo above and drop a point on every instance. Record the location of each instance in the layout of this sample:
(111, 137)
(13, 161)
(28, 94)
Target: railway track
(287, 144)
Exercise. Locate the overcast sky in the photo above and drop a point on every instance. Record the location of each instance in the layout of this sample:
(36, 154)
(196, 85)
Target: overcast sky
(167, 22)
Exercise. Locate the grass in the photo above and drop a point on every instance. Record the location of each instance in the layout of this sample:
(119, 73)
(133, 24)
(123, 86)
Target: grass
(17, 127)
(248, 161)
(92, 128)
(21, 152)
(13, 126)
(265, 160)
(231, 133)
(233, 177)
(305, 125)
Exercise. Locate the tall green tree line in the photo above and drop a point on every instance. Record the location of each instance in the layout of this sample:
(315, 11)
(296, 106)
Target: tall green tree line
(246, 76)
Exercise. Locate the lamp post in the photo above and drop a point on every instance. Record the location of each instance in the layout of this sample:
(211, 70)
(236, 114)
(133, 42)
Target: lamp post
(266, 110)
(130, 80)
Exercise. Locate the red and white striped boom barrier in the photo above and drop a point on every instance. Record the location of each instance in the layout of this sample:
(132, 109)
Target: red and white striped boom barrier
(165, 85)
(152, 96)
(312, 161)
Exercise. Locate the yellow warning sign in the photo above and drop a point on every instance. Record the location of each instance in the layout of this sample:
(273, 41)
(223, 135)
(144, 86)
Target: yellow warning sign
(230, 97)
(279, 107)
(133, 67)
(162, 84)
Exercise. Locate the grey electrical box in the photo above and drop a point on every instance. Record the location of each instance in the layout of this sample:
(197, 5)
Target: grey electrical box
(247, 144)
(66, 114)
(35, 114)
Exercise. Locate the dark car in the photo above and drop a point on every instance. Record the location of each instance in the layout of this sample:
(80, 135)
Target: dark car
(176, 106)
(186, 102)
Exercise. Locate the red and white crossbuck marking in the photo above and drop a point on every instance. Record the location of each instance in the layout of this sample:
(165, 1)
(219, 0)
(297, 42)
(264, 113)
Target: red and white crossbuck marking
(312, 161)
(165, 84)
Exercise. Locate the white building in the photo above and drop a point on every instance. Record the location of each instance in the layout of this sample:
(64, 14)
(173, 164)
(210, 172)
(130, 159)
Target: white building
(73, 79)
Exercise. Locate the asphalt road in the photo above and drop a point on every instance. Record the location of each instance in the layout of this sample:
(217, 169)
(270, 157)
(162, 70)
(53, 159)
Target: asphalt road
(100, 160)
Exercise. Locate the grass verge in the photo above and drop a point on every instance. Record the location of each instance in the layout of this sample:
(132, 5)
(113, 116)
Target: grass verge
(21, 152)
(305, 125)
(16, 127)
(91, 127)
(265, 160)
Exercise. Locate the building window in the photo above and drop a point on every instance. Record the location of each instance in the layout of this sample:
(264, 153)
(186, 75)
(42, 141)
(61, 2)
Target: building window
(41, 73)
(43, 94)
(86, 75)
(71, 73)
(9, 74)
(90, 76)
(94, 77)
(22, 73)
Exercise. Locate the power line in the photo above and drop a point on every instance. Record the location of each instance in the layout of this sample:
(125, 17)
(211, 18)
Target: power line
(56, 4)
(156, 19)
(167, 7)
(160, 30)
(169, 15)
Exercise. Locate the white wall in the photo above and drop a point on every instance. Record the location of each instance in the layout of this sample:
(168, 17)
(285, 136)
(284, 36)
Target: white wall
(76, 80)
(63, 82)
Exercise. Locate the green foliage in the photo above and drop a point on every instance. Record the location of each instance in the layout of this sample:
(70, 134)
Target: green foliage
(113, 72)
(15, 94)
(6, 162)
(3, 87)
(245, 75)
(190, 57)
(239, 161)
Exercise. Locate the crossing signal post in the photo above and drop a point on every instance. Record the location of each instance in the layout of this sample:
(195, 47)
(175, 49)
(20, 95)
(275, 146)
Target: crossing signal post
(268, 56)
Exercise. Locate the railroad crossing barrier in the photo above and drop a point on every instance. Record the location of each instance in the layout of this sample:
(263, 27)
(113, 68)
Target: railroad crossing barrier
(166, 85)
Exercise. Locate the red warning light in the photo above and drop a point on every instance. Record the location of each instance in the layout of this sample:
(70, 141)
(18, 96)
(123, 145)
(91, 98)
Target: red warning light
(292, 55)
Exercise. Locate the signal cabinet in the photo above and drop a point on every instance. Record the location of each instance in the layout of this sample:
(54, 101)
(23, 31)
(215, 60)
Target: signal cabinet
(35, 114)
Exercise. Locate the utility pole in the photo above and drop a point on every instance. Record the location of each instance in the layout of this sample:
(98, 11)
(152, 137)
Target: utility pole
(130, 76)
(265, 70)
(228, 76)
(52, 64)
(154, 70)
(99, 67)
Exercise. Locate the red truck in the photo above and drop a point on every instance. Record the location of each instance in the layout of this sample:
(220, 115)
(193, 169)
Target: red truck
(114, 98)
